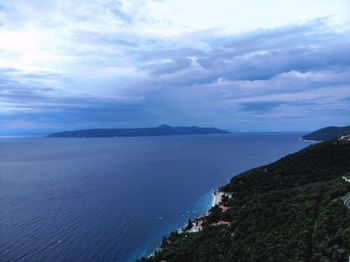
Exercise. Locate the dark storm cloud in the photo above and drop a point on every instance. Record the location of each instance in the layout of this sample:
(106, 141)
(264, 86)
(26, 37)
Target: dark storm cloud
(290, 73)
(259, 106)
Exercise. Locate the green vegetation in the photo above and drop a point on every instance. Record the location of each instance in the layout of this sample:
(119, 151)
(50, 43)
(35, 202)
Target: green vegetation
(290, 210)
(328, 133)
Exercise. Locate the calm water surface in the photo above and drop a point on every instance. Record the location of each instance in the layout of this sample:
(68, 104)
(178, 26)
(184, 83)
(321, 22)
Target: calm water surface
(112, 199)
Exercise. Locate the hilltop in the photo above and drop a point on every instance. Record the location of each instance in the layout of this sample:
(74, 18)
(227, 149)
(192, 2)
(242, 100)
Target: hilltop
(290, 210)
(328, 133)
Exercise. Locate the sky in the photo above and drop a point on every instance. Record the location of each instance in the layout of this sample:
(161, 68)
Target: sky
(240, 65)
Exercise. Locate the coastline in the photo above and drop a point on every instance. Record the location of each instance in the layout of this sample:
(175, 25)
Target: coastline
(204, 200)
(310, 141)
(196, 224)
(218, 195)
(216, 199)
(243, 214)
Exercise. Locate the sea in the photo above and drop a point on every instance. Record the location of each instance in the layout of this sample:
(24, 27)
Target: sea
(113, 199)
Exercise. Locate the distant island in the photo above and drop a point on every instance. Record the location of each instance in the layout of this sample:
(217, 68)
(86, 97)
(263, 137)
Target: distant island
(328, 133)
(162, 130)
(295, 209)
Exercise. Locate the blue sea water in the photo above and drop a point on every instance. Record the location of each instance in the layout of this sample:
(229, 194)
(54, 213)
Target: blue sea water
(113, 199)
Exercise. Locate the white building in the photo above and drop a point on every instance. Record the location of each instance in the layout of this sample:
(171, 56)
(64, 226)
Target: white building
(345, 138)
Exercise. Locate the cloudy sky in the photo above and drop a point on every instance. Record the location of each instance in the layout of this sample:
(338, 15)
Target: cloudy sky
(243, 65)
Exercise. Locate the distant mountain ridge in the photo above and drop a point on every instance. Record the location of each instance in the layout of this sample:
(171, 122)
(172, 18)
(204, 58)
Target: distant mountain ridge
(162, 130)
(328, 133)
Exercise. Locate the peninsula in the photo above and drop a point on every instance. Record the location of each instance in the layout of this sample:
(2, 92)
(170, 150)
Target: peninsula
(162, 130)
(328, 133)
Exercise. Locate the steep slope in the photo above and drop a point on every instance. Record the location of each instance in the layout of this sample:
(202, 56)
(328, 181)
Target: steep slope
(328, 133)
(290, 210)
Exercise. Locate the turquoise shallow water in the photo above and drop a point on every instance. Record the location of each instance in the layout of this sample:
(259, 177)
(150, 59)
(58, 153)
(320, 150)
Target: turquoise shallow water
(113, 199)
(200, 207)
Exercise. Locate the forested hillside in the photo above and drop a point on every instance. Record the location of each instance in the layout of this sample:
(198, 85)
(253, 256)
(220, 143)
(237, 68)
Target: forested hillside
(328, 133)
(290, 210)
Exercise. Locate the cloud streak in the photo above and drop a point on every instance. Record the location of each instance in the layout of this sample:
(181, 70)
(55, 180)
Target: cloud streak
(70, 68)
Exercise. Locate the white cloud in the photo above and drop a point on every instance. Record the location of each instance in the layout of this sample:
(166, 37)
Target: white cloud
(194, 60)
(49, 35)
(247, 15)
